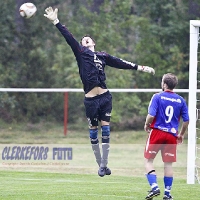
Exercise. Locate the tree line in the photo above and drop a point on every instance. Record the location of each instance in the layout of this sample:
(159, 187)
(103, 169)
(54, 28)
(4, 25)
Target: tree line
(33, 54)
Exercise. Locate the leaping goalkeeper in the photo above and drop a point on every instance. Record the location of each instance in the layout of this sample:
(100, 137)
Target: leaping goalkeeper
(98, 100)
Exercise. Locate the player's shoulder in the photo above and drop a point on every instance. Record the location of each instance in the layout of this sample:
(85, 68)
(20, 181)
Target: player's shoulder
(181, 98)
(155, 97)
(157, 94)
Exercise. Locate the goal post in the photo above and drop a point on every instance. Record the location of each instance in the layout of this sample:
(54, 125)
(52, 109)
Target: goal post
(192, 103)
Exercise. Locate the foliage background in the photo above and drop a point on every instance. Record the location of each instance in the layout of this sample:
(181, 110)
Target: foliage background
(33, 54)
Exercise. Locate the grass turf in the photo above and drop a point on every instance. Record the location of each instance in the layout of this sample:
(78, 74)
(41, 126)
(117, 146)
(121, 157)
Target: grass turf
(39, 185)
(79, 180)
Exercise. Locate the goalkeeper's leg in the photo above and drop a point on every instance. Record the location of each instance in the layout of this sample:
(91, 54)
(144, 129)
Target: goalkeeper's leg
(95, 145)
(105, 145)
(104, 170)
(104, 117)
(92, 116)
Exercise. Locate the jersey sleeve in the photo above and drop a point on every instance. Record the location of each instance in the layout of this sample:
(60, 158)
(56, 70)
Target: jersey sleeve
(72, 42)
(184, 112)
(153, 105)
(115, 62)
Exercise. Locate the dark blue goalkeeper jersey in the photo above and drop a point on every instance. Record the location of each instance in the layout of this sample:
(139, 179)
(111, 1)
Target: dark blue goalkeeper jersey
(92, 64)
(167, 108)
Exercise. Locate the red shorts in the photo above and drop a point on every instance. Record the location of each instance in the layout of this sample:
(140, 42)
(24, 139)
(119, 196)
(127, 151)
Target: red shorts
(161, 141)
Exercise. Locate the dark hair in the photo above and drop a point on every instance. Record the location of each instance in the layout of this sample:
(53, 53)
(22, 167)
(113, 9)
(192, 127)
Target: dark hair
(87, 36)
(170, 80)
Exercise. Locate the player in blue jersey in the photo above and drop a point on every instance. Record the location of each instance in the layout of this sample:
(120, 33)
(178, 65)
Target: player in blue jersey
(162, 123)
(98, 100)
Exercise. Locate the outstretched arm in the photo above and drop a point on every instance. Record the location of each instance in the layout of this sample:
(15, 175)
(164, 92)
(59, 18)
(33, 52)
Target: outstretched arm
(113, 61)
(52, 15)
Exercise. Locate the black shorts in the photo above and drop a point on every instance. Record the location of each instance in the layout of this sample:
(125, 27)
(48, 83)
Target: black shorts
(98, 108)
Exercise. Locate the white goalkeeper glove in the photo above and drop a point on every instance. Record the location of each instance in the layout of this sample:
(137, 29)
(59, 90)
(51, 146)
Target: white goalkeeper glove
(52, 15)
(146, 69)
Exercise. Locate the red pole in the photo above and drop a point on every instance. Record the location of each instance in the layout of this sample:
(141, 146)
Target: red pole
(65, 112)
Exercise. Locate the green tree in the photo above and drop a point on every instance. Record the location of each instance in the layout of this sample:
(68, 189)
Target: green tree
(33, 54)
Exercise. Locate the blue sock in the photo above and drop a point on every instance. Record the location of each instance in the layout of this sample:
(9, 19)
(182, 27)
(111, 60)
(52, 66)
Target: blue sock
(152, 179)
(168, 184)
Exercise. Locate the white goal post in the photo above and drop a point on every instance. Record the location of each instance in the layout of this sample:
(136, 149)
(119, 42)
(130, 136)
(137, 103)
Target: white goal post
(192, 101)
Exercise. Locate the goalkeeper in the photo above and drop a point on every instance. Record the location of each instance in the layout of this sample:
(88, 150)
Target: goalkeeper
(98, 100)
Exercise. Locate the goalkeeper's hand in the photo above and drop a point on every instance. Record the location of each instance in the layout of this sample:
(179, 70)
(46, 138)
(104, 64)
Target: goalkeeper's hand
(52, 15)
(146, 69)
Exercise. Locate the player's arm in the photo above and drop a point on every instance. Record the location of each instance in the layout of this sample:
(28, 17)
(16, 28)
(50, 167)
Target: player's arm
(184, 126)
(52, 15)
(148, 122)
(113, 61)
(183, 129)
(152, 110)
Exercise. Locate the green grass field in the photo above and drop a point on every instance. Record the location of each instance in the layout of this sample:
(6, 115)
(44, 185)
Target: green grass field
(77, 179)
(50, 186)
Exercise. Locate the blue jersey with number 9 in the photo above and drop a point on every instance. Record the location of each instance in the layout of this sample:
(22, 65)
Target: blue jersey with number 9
(167, 108)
